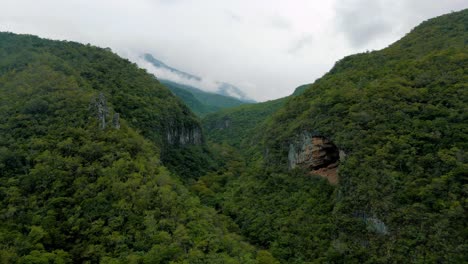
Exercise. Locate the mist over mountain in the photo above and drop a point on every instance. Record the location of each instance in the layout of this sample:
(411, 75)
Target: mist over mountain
(164, 67)
(165, 72)
(201, 102)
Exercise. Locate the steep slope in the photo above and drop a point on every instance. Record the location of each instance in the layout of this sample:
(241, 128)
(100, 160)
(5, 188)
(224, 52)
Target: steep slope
(161, 117)
(395, 124)
(200, 102)
(171, 122)
(78, 182)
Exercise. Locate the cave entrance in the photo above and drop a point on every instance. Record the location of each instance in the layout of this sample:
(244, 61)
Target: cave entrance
(324, 153)
(316, 154)
(325, 159)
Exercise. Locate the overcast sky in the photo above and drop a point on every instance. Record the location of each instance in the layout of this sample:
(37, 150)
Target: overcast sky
(265, 47)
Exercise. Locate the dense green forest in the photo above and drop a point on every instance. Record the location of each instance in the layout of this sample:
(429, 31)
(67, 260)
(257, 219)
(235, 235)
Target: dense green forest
(101, 163)
(81, 178)
(399, 116)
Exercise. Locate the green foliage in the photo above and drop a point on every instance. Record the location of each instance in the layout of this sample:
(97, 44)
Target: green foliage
(190, 162)
(235, 126)
(74, 192)
(290, 214)
(400, 116)
(146, 104)
(139, 99)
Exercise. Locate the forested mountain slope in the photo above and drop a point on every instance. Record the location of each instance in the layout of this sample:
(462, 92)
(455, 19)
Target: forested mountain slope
(136, 96)
(389, 129)
(168, 122)
(81, 181)
(100, 163)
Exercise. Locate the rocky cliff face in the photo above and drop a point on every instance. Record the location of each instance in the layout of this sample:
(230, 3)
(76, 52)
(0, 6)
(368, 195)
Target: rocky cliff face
(98, 107)
(184, 136)
(177, 134)
(221, 124)
(315, 153)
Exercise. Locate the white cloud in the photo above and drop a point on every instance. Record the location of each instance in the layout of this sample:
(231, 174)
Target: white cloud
(164, 74)
(273, 45)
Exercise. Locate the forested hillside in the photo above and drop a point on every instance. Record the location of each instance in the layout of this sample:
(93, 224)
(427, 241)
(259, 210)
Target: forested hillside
(81, 179)
(101, 163)
(389, 129)
(136, 96)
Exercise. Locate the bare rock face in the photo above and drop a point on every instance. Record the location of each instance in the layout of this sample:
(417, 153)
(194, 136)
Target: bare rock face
(116, 120)
(99, 108)
(102, 110)
(373, 223)
(317, 154)
(185, 136)
(177, 134)
(224, 123)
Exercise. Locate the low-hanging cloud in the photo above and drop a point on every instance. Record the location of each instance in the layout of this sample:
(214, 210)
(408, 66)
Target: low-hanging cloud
(280, 22)
(272, 45)
(164, 74)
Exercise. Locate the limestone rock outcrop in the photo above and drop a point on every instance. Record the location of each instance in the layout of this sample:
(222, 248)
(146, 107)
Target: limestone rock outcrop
(315, 153)
(184, 136)
(99, 108)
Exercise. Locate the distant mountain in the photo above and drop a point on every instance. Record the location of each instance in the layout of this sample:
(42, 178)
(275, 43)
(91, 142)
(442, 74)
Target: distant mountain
(187, 87)
(184, 78)
(201, 102)
(159, 64)
(232, 91)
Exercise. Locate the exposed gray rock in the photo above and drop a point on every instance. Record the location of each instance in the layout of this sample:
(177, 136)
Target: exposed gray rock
(227, 122)
(316, 154)
(221, 124)
(342, 155)
(312, 152)
(116, 121)
(99, 108)
(184, 136)
(373, 223)
(376, 225)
